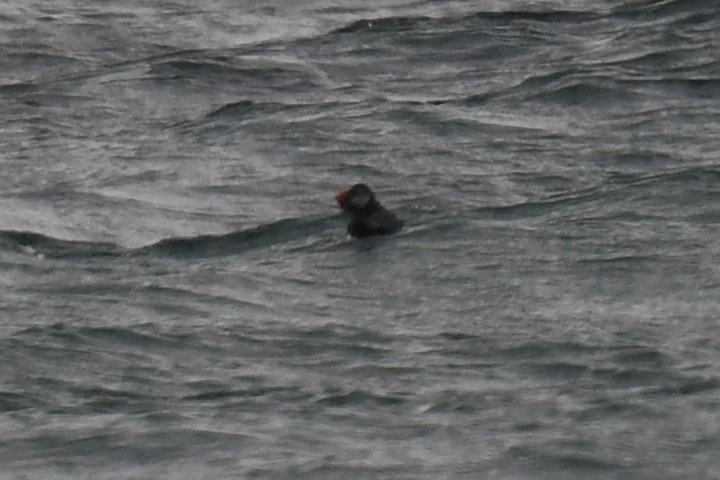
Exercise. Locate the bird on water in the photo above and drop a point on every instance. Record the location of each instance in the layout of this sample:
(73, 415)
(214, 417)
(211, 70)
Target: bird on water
(369, 217)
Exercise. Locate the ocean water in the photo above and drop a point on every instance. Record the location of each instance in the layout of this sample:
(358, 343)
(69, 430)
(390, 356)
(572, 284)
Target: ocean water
(179, 298)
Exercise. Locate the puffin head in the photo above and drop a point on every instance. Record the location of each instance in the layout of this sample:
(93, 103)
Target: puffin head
(357, 198)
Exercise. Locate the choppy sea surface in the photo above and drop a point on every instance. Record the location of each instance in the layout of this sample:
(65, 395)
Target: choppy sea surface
(179, 298)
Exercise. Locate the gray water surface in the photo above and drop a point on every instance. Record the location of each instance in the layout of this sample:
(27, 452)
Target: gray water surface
(179, 298)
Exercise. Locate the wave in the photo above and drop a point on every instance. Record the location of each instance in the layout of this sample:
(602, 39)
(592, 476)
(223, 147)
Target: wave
(685, 186)
(406, 23)
(235, 110)
(574, 86)
(650, 9)
(47, 246)
(386, 24)
(240, 67)
(147, 336)
(227, 116)
(604, 91)
(548, 16)
(597, 92)
(14, 89)
(282, 231)
(639, 9)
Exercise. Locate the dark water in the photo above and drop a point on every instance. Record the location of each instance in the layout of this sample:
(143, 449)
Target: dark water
(180, 300)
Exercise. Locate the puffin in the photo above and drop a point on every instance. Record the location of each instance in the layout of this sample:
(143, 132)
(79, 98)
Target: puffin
(369, 217)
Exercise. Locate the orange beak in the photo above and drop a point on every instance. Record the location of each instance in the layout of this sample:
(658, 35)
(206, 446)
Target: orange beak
(341, 196)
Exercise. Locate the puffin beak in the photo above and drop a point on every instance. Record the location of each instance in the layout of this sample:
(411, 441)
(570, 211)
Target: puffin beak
(340, 196)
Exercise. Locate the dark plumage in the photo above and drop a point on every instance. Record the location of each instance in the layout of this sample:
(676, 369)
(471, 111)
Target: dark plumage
(369, 217)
